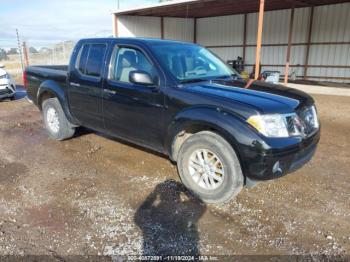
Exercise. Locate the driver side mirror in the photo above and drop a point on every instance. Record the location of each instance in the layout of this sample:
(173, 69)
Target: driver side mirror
(141, 77)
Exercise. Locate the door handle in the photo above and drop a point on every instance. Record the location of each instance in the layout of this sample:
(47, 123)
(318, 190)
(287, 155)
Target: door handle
(108, 91)
(74, 84)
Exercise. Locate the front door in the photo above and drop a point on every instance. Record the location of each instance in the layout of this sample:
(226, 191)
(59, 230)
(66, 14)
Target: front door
(85, 85)
(133, 111)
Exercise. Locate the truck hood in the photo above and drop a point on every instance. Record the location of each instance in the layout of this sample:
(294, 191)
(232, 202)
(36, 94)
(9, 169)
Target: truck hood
(265, 97)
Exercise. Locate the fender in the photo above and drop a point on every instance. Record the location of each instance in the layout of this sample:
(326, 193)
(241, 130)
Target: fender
(232, 127)
(54, 89)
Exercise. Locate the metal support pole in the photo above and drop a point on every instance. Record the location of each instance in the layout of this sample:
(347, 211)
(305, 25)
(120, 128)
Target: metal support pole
(195, 30)
(115, 25)
(20, 51)
(259, 38)
(245, 37)
(290, 36)
(311, 21)
(162, 27)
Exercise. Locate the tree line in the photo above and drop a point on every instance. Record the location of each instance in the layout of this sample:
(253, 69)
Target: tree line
(4, 54)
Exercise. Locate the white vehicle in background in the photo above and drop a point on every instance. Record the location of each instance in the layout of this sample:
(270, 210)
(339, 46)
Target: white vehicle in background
(7, 85)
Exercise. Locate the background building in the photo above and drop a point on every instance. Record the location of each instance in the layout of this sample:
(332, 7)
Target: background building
(308, 39)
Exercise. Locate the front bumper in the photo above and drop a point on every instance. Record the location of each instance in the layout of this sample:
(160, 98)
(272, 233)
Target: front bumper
(274, 164)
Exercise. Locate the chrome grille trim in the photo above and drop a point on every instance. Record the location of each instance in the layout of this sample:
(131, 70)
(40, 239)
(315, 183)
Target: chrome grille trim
(303, 123)
(309, 120)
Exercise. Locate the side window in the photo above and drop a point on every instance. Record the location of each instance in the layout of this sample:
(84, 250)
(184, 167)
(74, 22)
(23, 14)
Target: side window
(82, 58)
(125, 60)
(90, 59)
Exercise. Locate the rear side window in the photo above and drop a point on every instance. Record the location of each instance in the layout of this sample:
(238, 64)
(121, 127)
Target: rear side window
(82, 58)
(95, 60)
(90, 59)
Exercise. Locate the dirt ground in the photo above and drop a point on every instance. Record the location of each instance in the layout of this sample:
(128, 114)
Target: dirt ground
(98, 196)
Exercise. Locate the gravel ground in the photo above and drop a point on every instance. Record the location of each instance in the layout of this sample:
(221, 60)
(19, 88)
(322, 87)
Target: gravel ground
(93, 195)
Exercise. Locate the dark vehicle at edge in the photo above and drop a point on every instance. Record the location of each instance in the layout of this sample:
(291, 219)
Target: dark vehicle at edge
(181, 100)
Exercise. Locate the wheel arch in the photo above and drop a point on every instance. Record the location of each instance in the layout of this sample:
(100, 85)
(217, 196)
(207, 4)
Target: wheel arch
(195, 120)
(51, 89)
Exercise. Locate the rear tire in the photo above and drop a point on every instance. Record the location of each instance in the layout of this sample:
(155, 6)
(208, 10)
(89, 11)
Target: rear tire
(56, 122)
(209, 167)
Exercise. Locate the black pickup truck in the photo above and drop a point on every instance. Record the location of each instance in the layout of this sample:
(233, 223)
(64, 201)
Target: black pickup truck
(181, 100)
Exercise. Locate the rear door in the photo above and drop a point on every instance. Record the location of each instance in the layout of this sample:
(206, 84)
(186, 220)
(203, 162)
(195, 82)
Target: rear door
(133, 111)
(85, 85)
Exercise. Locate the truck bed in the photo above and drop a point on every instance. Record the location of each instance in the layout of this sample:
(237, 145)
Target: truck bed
(37, 75)
(49, 69)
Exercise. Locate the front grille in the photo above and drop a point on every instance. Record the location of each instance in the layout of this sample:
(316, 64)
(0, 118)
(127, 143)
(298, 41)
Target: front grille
(290, 123)
(4, 91)
(308, 118)
(294, 125)
(304, 123)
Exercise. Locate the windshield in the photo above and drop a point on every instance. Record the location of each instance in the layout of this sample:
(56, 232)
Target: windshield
(189, 62)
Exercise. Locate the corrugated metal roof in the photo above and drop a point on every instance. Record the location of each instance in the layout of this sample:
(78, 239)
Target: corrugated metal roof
(210, 8)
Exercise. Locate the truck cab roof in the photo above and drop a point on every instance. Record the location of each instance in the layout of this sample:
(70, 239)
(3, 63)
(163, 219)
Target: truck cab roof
(135, 40)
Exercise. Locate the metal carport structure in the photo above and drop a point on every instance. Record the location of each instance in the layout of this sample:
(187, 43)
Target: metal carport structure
(302, 30)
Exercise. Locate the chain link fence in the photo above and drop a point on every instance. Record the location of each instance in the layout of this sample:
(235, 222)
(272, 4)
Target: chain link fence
(55, 54)
(44, 54)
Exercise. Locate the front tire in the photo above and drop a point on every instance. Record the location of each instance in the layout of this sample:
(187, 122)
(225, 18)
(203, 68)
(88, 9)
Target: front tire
(209, 167)
(56, 122)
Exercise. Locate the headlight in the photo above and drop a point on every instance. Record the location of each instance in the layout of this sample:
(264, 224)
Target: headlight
(5, 76)
(305, 123)
(270, 125)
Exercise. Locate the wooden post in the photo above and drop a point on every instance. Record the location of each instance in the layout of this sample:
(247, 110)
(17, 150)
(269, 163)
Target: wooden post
(115, 25)
(162, 27)
(259, 38)
(290, 36)
(245, 37)
(195, 30)
(25, 52)
(311, 21)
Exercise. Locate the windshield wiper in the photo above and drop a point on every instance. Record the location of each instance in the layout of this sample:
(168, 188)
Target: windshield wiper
(193, 80)
(196, 80)
(233, 76)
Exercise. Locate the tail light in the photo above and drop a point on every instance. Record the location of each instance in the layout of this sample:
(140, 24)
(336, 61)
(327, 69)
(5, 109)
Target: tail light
(25, 81)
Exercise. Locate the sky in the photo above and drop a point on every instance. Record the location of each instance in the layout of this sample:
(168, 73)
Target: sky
(41, 23)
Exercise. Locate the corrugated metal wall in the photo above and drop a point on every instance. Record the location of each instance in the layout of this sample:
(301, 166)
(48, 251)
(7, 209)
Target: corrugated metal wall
(179, 29)
(330, 24)
(225, 36)
(141, 26)
(224, 30)
(300, 35)
(276, 25)
(221, 31)
(174, 28)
